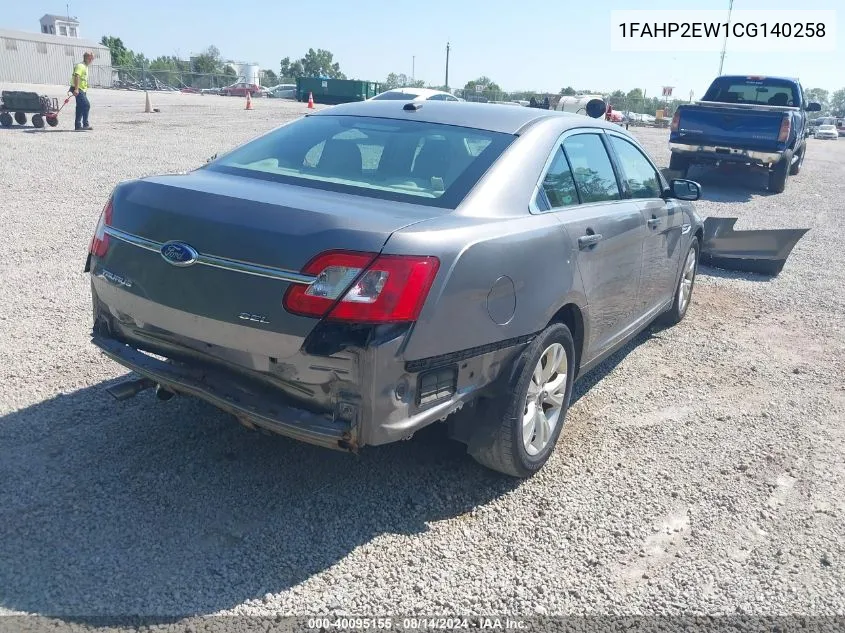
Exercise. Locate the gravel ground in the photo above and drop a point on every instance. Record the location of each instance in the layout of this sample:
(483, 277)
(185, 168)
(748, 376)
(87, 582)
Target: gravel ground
(701, 472)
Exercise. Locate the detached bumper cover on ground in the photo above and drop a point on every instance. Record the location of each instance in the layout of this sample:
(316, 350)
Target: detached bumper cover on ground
(757, 251)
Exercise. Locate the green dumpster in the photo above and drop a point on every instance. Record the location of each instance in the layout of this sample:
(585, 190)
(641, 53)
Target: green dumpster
(334, 91)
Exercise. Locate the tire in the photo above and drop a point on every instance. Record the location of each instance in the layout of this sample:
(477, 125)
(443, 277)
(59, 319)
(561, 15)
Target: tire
(20, 118)
(499, 443)
(5, 119)
(37, 121)
(52, 121)
(679, 163)
(779, 173)
(795, 169)
(681, 301)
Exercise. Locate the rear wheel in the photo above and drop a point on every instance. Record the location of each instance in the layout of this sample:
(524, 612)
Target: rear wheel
(525, 422)
(20, 118)
(52, 121)
(796, 167)
(679, 163)
(779, 173)
(5, 119)
(37, 120)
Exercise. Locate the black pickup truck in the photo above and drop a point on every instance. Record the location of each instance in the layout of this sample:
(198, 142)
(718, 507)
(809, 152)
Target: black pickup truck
(756, 121)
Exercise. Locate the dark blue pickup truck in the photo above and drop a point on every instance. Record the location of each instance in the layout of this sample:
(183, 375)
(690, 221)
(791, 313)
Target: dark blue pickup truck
(756, 121)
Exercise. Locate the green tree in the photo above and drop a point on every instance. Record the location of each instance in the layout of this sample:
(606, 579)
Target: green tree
(290, 70)
(120, 55)
(569, 91)
(320, 63)
(837, 103)
(207, 62)
(487, 84)
(819, 95)
(401, 80)
(269, 78)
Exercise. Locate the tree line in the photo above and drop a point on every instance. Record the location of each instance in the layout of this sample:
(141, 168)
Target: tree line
(321, 63)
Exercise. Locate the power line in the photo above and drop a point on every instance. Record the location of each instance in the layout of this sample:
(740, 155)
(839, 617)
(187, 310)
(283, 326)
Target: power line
(725, 43)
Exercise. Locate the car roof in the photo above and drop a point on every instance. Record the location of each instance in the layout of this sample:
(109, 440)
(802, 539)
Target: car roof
(481, 116)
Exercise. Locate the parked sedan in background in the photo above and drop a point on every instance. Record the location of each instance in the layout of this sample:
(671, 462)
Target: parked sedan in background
(241, 89)
(360, 273)
(414, 94)
(283, 91)
(828, 131)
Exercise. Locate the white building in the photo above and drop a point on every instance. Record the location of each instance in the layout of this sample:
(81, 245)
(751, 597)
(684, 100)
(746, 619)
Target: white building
(60, 25)
(39, 58)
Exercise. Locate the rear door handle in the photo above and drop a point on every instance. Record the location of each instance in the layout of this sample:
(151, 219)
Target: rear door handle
(653, 222)
(586, 241)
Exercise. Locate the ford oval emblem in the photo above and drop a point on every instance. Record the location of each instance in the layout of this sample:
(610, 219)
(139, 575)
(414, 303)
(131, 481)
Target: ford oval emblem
(178, 254)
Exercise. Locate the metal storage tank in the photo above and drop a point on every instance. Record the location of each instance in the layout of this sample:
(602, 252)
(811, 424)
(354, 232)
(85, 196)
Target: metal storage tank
(250, 73)
(36, 58)
(578, 103)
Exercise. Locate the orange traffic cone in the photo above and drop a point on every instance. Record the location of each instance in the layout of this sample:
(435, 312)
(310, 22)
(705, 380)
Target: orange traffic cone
(248, 101)
(310, 100)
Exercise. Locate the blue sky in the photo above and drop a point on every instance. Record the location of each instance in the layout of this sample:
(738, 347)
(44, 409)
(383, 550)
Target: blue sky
(529, 44)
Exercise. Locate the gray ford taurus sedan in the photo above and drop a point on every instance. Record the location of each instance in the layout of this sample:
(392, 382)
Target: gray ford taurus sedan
(362, 272)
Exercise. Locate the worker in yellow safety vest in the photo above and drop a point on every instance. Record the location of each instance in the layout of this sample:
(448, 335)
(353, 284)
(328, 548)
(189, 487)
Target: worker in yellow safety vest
(79, 88)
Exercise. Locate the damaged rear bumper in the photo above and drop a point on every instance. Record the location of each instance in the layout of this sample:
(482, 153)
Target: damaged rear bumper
(250, 403)
(757, 251)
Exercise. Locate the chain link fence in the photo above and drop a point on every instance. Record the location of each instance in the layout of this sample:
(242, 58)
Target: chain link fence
(126, 78)
(651, 111)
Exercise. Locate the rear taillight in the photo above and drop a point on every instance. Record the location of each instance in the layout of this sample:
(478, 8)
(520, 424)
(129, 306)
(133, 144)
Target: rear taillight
(100, 241)
(785, 129)
(676, 121)
(386, 288)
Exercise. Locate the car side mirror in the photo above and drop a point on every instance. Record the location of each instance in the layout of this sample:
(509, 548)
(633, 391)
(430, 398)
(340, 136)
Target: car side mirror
(814, 107)
(683, 189)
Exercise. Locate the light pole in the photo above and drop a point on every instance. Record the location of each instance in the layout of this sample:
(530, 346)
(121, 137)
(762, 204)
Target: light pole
(725, 43)
(413, 68)
(447, 65)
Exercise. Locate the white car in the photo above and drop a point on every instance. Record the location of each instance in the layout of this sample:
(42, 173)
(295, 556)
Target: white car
(283, 91)
(414, 94)
(827, 131)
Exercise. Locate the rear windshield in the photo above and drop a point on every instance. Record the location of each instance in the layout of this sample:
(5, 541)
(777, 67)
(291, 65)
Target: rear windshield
(407, 161)
(394, 96)
(753, 90)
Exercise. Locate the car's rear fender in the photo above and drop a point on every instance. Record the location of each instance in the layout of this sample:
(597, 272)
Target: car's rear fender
(500, 280)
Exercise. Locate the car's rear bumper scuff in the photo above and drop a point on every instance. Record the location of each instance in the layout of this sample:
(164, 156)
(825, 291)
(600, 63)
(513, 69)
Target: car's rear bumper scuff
(238, 397)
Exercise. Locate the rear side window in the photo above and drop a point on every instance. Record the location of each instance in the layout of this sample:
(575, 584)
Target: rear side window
(558, 184)
(393, 159)
(641, 177)
(591, 168)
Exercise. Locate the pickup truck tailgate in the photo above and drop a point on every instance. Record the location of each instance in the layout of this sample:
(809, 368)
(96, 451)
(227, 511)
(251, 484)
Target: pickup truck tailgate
(727, 126)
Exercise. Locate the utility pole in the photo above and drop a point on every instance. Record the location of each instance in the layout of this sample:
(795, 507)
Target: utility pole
(413, 68)
(725, 43)
(447, 65)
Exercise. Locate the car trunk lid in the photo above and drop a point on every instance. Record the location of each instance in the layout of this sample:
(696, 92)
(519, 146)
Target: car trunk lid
(253, 237)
